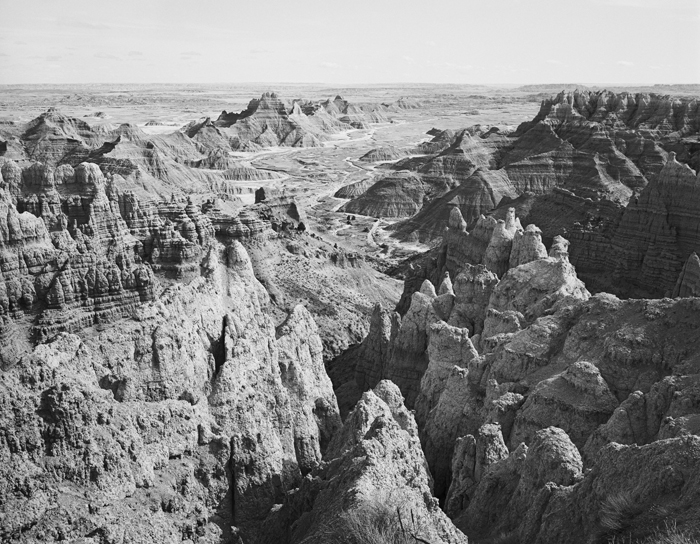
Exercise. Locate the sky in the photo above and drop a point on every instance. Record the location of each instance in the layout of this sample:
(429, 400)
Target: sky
(351, 42)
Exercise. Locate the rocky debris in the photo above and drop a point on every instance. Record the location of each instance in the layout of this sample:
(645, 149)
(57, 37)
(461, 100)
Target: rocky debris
(375, 462)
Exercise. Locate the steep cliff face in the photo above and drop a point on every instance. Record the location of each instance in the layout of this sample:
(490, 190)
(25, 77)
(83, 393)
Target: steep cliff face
(520, 379)
(657, 233)
(195, 407)
(635, 111)
(87, 252)
(601, 169)
(373, 483)
(476, 195)
(497, 245)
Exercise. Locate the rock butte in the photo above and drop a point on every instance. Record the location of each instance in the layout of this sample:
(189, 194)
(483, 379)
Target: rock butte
(177, 366)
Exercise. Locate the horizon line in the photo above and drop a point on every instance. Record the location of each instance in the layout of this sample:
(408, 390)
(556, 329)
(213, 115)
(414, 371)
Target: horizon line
(497, 85)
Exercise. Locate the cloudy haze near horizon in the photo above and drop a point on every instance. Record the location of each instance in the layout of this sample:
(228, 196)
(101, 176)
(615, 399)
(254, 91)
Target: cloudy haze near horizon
(380, 41)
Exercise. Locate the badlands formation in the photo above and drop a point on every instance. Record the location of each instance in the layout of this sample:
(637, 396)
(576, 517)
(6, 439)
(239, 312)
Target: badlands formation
(355, 320)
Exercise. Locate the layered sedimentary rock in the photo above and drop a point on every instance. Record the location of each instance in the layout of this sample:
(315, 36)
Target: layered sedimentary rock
(590, 167)
(269, 121)
(381, 154)
(79, 273)
(496, 244)
(55, 138)
(196, 408)
(475, 196)
(354, 189)
(87, 252)
(396, 195)
(657, 233)
(516, 355)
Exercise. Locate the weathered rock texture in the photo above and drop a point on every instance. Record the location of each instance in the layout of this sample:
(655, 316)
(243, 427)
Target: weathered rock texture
(269, 121)
(374, 467)
(519, 377)
(613, 173)
(189, 421)
(397, 195)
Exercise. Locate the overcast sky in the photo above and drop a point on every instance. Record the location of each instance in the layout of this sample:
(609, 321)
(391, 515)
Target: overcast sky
(353, 41)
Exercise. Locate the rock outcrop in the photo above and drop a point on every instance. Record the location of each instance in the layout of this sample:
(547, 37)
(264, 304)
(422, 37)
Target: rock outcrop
(195, 408)
(396, 195)
(656, 235)
(374, 482)
(269, 121)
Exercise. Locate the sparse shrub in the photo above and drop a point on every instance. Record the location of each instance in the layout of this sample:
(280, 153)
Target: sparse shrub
(617, 511)
(377, 521)
(670, 535)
